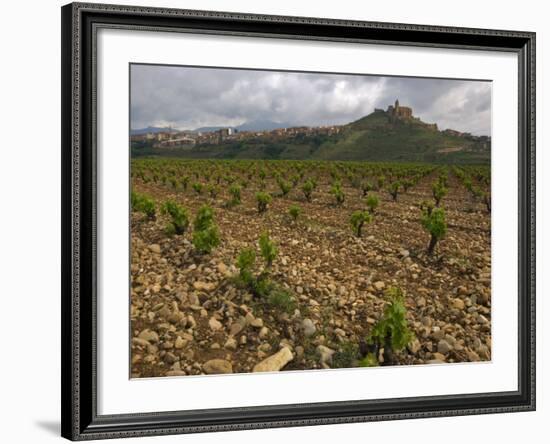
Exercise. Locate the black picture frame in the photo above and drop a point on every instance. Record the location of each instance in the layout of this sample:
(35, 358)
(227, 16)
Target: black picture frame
(80, 420)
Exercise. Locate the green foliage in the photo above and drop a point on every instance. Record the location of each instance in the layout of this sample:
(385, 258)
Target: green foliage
(346, 356)
(179, 218)
(426, 207)
(235, 191)
(358, 219)
(371, 360)
(206, 235)
(434, 223)
(372, 203)
(366, 187)
(213, 191)
(294, 211)
(206, 240)
(197, 186)
(307, 189)
(245, 263)
(392, 329)
(394, 190)
(439, 191)
(336, 190)
(380, 181)
(268, 249)
(281, 299)
(143, 204)
(263, 199)
(407, 183)
(261, 286)
(284, 186)
(184, 181)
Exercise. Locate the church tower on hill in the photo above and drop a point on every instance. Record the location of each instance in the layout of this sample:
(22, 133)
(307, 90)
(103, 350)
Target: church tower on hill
(400, 112)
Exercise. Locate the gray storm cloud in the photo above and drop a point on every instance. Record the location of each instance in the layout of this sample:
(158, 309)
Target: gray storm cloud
(190, 97)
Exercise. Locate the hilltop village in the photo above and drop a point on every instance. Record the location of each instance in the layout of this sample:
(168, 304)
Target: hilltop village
(396, 125)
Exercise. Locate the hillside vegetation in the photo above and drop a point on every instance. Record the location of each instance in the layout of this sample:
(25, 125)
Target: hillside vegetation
(375, 137)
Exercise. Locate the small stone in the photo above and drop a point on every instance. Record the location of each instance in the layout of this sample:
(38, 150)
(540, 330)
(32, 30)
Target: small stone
(462, 291)
(235, 328)
(258, 323)
(214, 324)
(170, 358)
(217, 366)
(404, 253)
(450, 340)
(203, 286)
(149, 335)
(176, 373)
(443, 347)
(141, 342)
(482, 319)
(438, 334)
(325, 354)
(458, 304)
(339, 332)
(215, 346)
(155, 248)
(275, 362)
(264, 332)
(308, 327)
(379, 285)
(414, 346)
(473, 356)
(179, 343)
(231, 344)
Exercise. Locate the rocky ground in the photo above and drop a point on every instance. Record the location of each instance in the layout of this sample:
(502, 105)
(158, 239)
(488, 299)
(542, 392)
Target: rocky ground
(188, 316)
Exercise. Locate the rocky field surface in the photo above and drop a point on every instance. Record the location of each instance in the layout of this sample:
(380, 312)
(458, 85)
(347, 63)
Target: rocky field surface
(189, 317)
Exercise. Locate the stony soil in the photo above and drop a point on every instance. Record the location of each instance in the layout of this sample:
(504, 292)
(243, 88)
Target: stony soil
(188, 316)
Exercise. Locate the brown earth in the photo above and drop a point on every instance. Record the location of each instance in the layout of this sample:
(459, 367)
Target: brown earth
(187, 310)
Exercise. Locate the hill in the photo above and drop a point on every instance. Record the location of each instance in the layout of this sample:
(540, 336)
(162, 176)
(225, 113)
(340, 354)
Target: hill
(379, 136)
(149, 130)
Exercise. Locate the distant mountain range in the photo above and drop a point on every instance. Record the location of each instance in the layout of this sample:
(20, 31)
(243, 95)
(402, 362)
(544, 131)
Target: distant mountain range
(149, 129)
(253, 125)
(378, 136)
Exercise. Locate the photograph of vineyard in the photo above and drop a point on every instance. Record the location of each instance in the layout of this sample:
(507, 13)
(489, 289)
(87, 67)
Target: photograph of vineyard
(285, 221)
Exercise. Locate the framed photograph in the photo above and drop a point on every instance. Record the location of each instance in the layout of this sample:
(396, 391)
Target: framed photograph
(281, 221)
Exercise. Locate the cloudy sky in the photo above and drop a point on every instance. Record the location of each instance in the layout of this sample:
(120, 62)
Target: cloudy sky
(189, 98)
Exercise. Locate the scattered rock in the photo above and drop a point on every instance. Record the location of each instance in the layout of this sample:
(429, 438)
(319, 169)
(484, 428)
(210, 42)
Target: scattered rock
(204, 286)
(275, 362)
(308, 327)
(149, 335)
(214, 324)
(443, 347)
(325, 354)
(217, 366)
(231, 344)
(458, 304)
(414, 346)
(179, 343)
(155, 248)
(379, 285)
(235, 328)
